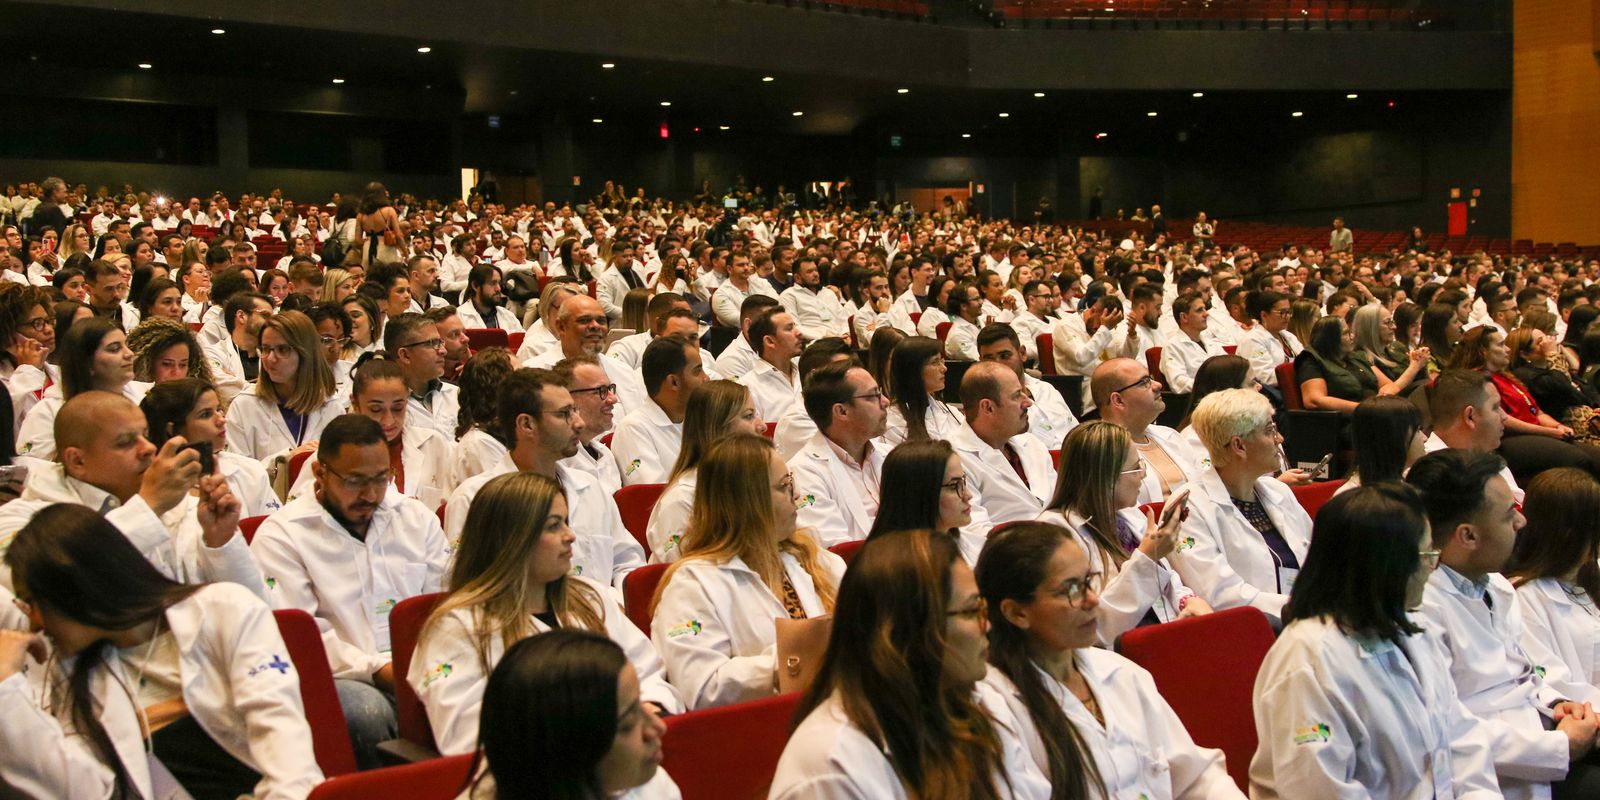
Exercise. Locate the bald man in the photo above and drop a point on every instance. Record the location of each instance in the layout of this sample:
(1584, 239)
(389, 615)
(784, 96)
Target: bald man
(106, 462)
(581, 328)
(1128, 395)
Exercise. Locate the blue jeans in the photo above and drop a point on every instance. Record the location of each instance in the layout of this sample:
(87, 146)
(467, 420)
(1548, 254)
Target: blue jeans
(369, 714)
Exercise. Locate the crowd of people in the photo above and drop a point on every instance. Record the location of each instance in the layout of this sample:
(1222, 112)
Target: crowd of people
(793, 381)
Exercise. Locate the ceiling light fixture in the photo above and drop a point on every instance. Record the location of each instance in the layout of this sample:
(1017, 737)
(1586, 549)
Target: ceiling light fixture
(1101, 135)
(665, 103)
(1351, 96)
(1005, 114)
(1038, 94)
(798, 114)
(1151, 114)
(218, 31)
(1298, 114)
(723, 128)
(1198, 94)
(608, 65)
(424, 49)
(144, 66)
(902, 91)
(597, 120)
(966, 136)
(341, 80)
(767, 79)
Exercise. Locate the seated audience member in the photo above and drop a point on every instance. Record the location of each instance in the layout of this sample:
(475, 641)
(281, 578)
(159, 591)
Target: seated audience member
(965, 307)
(1009, 473)
(1190, 345)
(94, 356)
(838, 471)
(1354, 699)
(337, 284)
(594, 397)
(795, 428)
(542, 427)
(869, 306)
(1269, 343)
(582, 328)
(1245, 536)
(940, 290)
(1553, 565)
(188, 714)
(1478, 618)
(457, 347)
(647, 441)
(477, 447)
(1035, 318)
(899, 708)
(916, 379)
(345, 554)
(366, 324)
(739, 357)
(743, 564)
(510, 580)
(192, 409)
(816, 308)
(333, 333)
(1329, 380)
(1535, 362)
(485, 303)
(925, 486)
(1128, 395)
(629, 349)
(1095, 498)
(541, 330)
(1050, 419)
(412, 341)
(159, 298)
(1092, 720)
(421, 459)
(1441, 328)
(742, 283)
(717, 410)
(1466, 413)
(773, 378)
(165, 350)
(879, 353)
(235, 362)
(575, 698)
(622, 275)
(1389, 439)
(294, 398)
(1084, 339)
(1484, 349)
(1375, 348)
(1216, 374)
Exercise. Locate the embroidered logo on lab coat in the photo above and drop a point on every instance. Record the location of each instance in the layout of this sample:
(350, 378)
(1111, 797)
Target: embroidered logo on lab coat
(1538, 670)
(272, 583)
(805, 501)
(1186, 543)
(632, 465)
(690, 627)
(440, 671)
(1313, 734)
(276, 663)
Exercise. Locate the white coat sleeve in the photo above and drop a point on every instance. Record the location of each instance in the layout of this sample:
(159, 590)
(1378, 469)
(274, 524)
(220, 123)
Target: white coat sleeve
(961, 344)
(668, 520)
(1126, 598)
(637, 458)
(231, 563)
(448, 677)
(691, 634)
(37, 435)
(1075, 352)
(289, 586)
(606, 291)
(1177, 369)
(725, 311)
(1538, 641)
(1320, 767)
(1204, 566)
(1263, 364)
(38, 758)
(653, 685)
(819, 504)
(268, 699)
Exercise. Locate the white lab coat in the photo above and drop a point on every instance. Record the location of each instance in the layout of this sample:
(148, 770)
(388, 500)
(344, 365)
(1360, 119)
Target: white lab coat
(646, 445)
(1434, 444)
(1078, 353)
(770, 391)
(1223, 558)
(1179, 450)
(727, 299)
(1265, 353)
(1050, 419)
(539, 339)
(1142, 749)
(1561, 633)
(248, 481)
(819, 314)
(26, 385)
(604, 551)
(961, 341)
(312, 563)
(737, 358)
(669, 518)
(864, 322)
(837, 503)
(227, 369)
(928, 323)
(449, 677)
(1496, 680)
(238, 684)
(1342, 717)
(995, 485)
(476, 451)
(900, 312)
(794, 430)
(426, 457)
(1129, 592)
(1028, 328)
(503, 318)
(601, 464)
(611, 287)
(715, 629)
(941, 419)
(441, 412)
(36, 437)
(829, 758)
(1181, 358)
(172, 545)
(256, 428)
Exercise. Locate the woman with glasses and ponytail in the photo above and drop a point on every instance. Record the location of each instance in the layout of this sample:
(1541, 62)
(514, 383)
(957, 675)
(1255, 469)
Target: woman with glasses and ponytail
(1092, 720)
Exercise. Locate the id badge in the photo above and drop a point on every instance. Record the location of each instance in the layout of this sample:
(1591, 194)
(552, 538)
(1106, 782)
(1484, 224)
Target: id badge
(380, 624)
(1286, 579)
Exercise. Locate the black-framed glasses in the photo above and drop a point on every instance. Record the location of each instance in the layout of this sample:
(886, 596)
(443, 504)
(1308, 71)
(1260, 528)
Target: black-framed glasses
(874, 396)
(1142, 382)
(38, 325)
(357, 483)
(599, 391)
(956, 485)
(431, 344)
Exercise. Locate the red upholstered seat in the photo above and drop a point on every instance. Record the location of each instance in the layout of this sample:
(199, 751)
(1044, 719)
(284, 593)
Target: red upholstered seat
(634, 504)
(638, 589)
(479, 338)
(330, 738)
(728, 753)
(847, 550)
(514, 340)
(1152, 360)
(1313, 496)
(405, 625)
(1047, 353)
(1290, 387)
(437, 779)
(248, 526)
(941, 330)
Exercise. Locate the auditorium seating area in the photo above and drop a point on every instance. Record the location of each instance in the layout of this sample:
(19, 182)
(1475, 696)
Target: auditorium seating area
(1286, 15)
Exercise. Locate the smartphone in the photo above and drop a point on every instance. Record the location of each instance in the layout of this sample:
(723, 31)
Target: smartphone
(1176, 505)
(208, 458)
(1322, 466)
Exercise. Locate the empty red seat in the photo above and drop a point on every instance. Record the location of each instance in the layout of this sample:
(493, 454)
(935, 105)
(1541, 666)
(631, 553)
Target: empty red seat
(728, 753)
(635, 503)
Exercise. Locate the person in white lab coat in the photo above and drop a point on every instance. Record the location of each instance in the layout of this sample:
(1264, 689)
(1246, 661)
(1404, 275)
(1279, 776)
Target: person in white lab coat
(1100, 476)
(201, 667)
(542, 326)
(744, 564)
(422, 460)
(1083, 339)
(1049, 419)
(727, 302)
(837, 471)
(916, 379)
(925, 486)
(345, 554)
(964, 306)
(1245, 536)
(1127, 394)
(594, 397)
(478, 447)
(621, 276)
(192, 409)
(234, 361)
(94, 355)
(572, 697)
(1270, 343)
(1009, 472)
(647, 441)
(483, 306)
(1474, 521)
(414, 342)
(717, 410)
(774, 380)
(1354, 699)
(1092, 720)
(293, 400)
(1189, 345)
(899, 708)
(1554, 569)
(582, 327)
(816, 308)
(738, 357)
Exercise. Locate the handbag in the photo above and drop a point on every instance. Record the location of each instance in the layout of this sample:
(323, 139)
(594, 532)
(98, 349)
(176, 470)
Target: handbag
(802, 644)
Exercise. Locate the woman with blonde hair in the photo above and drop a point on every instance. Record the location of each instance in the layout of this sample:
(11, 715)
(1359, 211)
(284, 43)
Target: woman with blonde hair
(743, 565)
(511, 580)
(337, 284)
(717, 409)
(295, 396)
(633, 309)
(74, 240)
(1097, 492)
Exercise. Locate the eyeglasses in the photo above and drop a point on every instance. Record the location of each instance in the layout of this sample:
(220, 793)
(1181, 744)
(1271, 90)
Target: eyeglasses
(338, 340)
(358, 483)
(602, 390)
(1430, 558)
(875, 396)
(38, 325)
(1139, 468)
(976, 610)
(276, 351)
(431, 344)
(1138, 384)
(1076, 590)
(955, 485)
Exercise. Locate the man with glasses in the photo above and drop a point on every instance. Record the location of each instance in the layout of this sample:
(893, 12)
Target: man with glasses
(1009, 473)
(595, 398)
(1035, 318)
(838, 470)
(345, 554)
(1270, 342)
(1127, 395)
(333, 333)
(965, 307)
(413, 341)
(581, 327)
(648, 440)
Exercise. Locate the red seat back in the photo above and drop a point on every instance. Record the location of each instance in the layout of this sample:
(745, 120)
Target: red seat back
(405, 625)
(728, 753)
(1313, 496)
(847, 550)
(1047, 353)
(514, 341)
(1152, 360)
(638, 589)
(1230, 349)
(435, 779)
(634, 504)
(1289, 386)
(916, 317)
(941, 330)
(296, 462)
(330, 738)
(248, 526)
(771, 431)
(1153, 508)
(196, 326)
(1205, 667)
(479, 338)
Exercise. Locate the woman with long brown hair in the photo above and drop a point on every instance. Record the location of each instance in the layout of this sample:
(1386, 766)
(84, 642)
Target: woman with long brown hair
(717, 410)
(294, 397)
(1553, 566)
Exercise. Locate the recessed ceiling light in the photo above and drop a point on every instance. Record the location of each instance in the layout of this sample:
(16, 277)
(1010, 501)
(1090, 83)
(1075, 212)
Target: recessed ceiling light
(218, 31)
(597, 120)
(767, 79)
(424, 49)
(1038, 94)
(1391, 104)
(1198, 94)
(723, 128)
(341, 80)
(1101, 135)
(1298, 114)
(1005, 114)
(966, 136)
(608, 65)
(1351, 96)
(144, 66)
(513, 92)
(798, 114)
(902, 91)
(665, 103)
(1151, 114)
